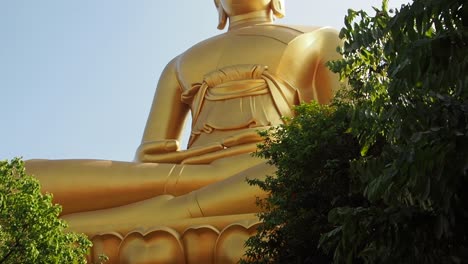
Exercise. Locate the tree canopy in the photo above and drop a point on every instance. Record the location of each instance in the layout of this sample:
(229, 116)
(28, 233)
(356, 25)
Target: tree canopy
(380, 176)
(30, 230)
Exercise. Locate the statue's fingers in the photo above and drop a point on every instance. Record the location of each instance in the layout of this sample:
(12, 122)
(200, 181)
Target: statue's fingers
(243, 138)
(172, 157)
(160, 146)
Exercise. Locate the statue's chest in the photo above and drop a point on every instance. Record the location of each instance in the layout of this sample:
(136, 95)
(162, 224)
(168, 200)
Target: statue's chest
(230, 51)
(248, 49)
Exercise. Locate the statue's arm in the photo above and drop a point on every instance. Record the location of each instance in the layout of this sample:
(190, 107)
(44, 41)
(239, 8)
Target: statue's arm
(325, 82)
(166, 119)
(304, 60)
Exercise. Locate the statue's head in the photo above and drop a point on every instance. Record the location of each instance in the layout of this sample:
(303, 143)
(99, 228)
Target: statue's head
(230, 8)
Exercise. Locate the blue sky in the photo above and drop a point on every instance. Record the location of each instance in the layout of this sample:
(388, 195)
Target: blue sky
(77, 77)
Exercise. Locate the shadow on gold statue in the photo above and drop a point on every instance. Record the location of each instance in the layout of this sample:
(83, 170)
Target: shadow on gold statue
(194, 205)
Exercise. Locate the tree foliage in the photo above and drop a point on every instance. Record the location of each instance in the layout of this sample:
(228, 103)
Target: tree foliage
(404, 197)
(312, 154)
(30, 230)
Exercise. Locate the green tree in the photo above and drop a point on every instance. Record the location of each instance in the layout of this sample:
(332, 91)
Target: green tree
(402, 197)
(408, 74)
(312, 153)
(30, 230)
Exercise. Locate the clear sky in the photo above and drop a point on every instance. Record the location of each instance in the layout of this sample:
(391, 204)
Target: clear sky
(77, 77)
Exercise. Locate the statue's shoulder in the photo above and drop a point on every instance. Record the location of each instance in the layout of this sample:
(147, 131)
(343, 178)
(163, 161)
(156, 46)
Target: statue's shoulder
(207, 43)
(203, 50)
(287, 33)
(277, 32)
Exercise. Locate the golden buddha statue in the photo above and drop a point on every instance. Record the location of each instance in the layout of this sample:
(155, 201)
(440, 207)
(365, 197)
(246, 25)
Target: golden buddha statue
(194, 205)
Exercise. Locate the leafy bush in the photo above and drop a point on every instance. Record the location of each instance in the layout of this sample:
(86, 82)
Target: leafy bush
(30, 230)
(312, 154)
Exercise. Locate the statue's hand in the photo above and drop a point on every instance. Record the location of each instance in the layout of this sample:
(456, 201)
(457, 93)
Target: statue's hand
(166, 151)
(156, 147)
(242, 138)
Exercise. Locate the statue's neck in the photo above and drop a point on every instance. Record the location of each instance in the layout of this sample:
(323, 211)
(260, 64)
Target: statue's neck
(250, 19)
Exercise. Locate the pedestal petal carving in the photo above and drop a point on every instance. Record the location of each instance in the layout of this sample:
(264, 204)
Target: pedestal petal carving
(230, 244)
(106, 244)
(199, 244)
(160, 245)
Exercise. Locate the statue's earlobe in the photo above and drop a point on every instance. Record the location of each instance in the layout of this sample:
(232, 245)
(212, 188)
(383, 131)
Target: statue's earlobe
(222, 20)
(277, 6)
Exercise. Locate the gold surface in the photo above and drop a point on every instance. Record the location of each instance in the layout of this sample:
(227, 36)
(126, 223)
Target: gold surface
(194, 205)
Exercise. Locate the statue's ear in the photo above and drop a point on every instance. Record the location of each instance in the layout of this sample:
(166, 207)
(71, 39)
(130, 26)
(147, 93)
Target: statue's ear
(222, 16)
(222, 21)
(277, 6)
